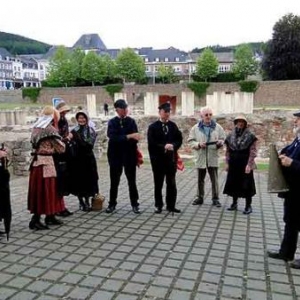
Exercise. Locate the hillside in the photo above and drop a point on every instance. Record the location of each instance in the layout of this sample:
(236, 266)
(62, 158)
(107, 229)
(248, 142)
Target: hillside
(17, 44)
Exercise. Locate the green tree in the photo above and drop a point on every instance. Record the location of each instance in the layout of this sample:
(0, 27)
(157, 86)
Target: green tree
(207, 65)
(282, 56)
(130, 66)
(166, 73)
(245, 63)
(61, 69)
(92, 68)
(109, 66)
(77, 57)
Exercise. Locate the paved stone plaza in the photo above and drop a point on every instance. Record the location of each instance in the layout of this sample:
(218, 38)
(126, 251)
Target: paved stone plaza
(203, 253)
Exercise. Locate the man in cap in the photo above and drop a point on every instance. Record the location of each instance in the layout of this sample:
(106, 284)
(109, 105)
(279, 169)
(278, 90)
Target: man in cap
(241, 150)
(123, 137)
(290, 160)
(62, 159)
(164, 140)
(206, 138)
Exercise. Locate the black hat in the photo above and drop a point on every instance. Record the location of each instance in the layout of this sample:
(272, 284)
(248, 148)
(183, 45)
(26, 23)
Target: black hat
(165, 106)
(297, 114)
(120, 103)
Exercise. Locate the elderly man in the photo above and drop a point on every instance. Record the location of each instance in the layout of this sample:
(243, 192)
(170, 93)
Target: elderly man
(205, 138)
(123, 137)
(290, 160)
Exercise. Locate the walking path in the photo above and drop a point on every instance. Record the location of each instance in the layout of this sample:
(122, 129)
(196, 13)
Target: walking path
(203, 253)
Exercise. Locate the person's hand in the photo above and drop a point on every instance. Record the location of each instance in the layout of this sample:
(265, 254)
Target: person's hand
(220, 143)
(226, 167)
(3, 153)
(202, 145)
(70, 136)
(136, 136)
(285, 160)
(247, 169)
(169, 147)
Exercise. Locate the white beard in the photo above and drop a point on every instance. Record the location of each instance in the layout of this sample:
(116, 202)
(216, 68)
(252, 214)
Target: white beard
(296, 131)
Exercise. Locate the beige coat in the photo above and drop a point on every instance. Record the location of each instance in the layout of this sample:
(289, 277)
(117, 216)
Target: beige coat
(206, 157)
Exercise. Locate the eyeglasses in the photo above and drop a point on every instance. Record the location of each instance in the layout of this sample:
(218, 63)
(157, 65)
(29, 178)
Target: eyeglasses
(206, 115)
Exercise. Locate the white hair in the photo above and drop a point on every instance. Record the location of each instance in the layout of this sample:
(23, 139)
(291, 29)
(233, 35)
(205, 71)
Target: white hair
(205, 109)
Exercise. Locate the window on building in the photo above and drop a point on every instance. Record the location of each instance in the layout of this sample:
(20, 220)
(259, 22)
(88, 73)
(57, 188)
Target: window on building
(156, 59)
(176, 58)
(147, 69)
(166, 59)
(146, 59)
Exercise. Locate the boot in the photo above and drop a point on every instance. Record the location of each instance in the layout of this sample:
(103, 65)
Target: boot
(51, 220)
(234, 205)
(36, 224)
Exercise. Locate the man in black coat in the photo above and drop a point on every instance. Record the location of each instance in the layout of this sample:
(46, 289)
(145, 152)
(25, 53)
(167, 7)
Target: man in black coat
(123, 137)
(164, 139)
(290, 160)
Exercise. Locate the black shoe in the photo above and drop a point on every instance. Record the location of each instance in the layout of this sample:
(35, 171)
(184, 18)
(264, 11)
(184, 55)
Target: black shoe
(216, 203)
(197, 201)
(247, 210)
(174, 210)
(295, 264)
(33, 225)
(158, 210)
(64, 213)
(232, 207)
(136, 209)
(51, 220)
(278, 255)
(110, 209)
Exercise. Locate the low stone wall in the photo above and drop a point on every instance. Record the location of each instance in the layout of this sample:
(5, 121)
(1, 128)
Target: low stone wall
(269, 127)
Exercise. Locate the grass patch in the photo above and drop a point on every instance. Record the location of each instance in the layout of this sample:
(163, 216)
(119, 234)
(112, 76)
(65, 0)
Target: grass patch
(9, 106)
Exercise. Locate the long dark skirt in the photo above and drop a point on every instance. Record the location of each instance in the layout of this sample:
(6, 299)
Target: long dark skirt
(238, 183)
(84, 175)
(5, 207)
(43, 197)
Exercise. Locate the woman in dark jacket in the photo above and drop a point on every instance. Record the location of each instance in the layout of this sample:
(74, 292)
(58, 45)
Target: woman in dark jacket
(240, 153)
(84, 174)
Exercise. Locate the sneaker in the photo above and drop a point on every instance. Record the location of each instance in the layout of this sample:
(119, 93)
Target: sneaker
(174, 210)
(216, 203)
(110, 209)
(295, 264)
(136, 209)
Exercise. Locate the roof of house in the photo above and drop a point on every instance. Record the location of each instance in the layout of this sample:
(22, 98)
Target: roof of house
(222, 57)
(90, 41)
(171, 53)
(4, 53)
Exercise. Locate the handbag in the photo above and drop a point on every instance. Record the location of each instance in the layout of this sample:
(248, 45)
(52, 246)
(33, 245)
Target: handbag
(97, 202)
(180, 164)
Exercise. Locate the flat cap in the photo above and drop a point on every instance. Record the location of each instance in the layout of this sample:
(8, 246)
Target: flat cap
(165, 106)
(120, 103)
(297, 114)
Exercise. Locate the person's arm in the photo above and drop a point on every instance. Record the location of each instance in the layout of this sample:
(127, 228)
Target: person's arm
(252, 155)
(192, 140)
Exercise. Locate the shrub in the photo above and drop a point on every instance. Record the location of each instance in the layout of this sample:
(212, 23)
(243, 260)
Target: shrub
(31, 93)
(248, 86)
(199, 88)
(113, 88)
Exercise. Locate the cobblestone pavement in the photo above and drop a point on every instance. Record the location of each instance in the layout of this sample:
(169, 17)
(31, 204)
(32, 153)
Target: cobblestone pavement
(203, 253)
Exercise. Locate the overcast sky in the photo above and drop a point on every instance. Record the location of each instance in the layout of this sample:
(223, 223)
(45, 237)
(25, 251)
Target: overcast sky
(183, 24)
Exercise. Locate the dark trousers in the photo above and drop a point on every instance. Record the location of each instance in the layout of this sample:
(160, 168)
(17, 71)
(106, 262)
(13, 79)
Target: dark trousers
(115, 176)
(159, 175)
(213, 174)
(291, 229)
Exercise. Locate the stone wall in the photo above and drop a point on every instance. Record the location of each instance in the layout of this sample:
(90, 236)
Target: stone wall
(11, 96)
(269, 127)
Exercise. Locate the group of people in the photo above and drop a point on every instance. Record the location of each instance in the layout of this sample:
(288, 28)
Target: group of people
(63, 163)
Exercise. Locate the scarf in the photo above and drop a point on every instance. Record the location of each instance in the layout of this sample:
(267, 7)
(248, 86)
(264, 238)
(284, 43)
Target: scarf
(63, 127)
(240, 139)
(86, 134)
